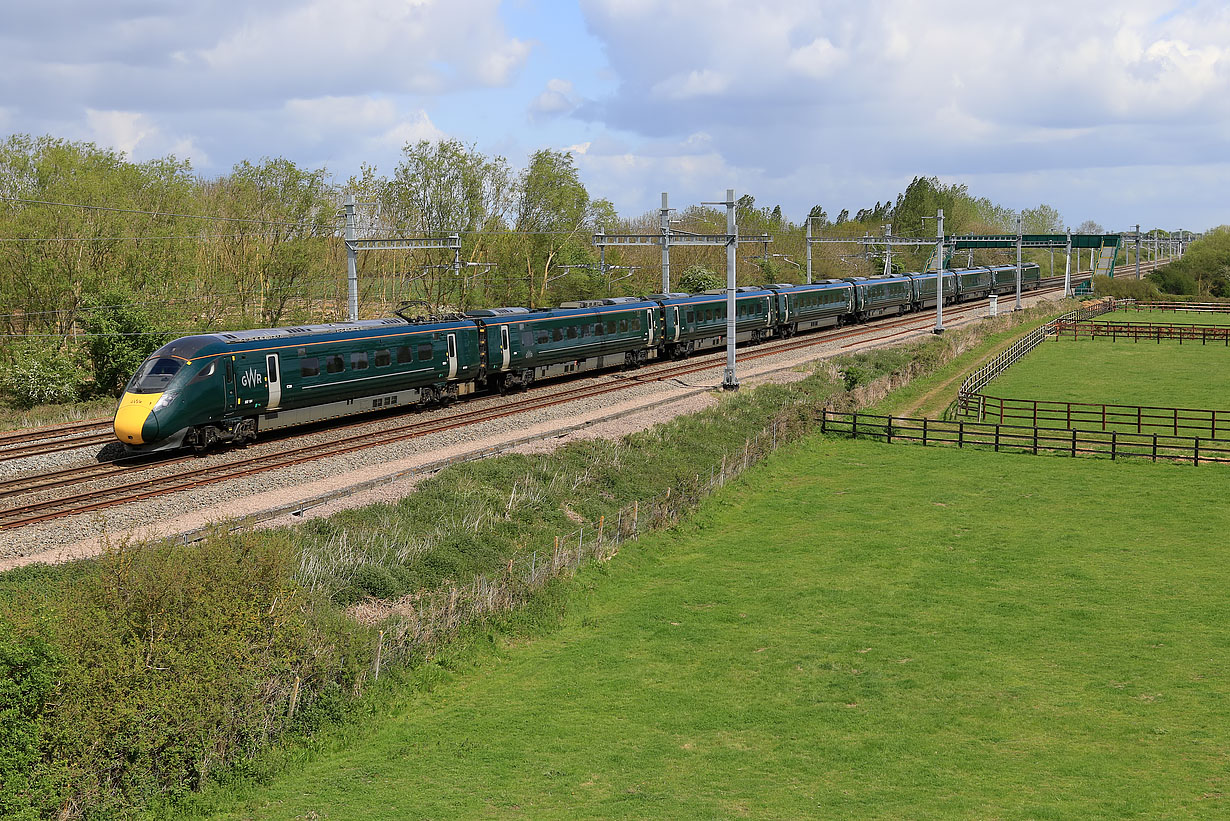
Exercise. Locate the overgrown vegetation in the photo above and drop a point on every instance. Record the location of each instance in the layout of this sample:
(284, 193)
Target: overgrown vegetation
(1122, 287)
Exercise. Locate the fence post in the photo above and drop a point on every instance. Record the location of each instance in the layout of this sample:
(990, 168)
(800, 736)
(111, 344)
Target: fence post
(960, 433)
(854, 425)
(294, 699)
(1114, 439)
(1196, 451)
(824, 420)
(636, 513)
(1155, 447)
(924, 431)
(997, 437)
(1073, 443)
(379, 652)
(889, 430)
(1035, 440)
(601, 522)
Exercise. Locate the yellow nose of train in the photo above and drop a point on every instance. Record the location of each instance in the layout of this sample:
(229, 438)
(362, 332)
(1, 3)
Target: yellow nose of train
(135, 423)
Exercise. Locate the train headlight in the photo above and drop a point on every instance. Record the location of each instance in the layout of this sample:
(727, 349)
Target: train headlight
(167, 398)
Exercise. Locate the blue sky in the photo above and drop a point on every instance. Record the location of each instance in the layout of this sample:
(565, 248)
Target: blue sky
(1115, 112)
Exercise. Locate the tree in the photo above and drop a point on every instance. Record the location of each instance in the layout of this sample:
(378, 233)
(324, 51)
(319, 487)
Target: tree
(1042, 220)
(698, 278)
(819, 218)
(445, 187)
(554, 209)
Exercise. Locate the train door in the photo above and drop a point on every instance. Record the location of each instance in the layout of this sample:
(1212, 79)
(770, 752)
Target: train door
(505, 347)
(675, 308)
(274, 378)
(649, 324)
(231, 398)
(452, 354)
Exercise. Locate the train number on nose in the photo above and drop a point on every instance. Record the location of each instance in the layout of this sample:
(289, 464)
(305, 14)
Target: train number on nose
(252, 378)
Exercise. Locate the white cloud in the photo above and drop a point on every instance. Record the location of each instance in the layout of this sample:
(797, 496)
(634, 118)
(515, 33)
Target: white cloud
(139, 137)
(817, 59)
(556, 100)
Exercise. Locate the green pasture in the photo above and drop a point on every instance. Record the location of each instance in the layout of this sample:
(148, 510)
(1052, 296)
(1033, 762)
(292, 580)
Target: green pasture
(1164, 374)
(1164, 318)
(851, 630)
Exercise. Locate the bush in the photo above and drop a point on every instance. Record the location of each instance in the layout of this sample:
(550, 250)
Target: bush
(1122, 288)
(699, 278)
(44, 375)
(121, 337)
(1172, 281)
(27, 676)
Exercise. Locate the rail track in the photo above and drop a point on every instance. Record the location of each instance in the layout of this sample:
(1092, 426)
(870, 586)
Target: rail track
(125, 492)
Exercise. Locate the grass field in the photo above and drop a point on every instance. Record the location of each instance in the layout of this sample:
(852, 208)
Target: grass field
(852, 630)
(1121, 373)
(1164, 318)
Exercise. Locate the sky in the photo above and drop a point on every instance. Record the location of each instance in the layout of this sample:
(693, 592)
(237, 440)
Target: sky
(1117, 112)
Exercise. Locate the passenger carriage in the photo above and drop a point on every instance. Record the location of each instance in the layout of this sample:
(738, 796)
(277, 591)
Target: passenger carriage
(693, 322)
(877, 296)
(520, 346)
(822, 304)
(923, 289)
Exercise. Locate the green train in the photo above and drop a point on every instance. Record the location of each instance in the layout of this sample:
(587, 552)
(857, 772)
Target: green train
(231, 387)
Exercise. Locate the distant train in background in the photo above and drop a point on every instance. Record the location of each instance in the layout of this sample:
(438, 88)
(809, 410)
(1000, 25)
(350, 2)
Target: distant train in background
(229, 387)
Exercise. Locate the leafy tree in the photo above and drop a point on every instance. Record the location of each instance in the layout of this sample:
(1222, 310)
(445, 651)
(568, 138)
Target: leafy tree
(555, 211)
(121, 336)
(818, 216)
(698, 278)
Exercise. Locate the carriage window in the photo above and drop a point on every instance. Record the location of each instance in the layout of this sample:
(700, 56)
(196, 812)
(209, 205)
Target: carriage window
(572, 331)
(527, 338)
(309, 366)
(691, 317)
(358, 361)
(636, 322)
(404, 355)
(334, 363)
(597, 329)
(556, 334)
(610, 326)
(583, 331)
(427, 351)
(623, 325)
(383, 358)
(543, 336)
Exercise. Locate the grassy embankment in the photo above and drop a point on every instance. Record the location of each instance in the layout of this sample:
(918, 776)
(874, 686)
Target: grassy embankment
(12, 418)
(851, 630)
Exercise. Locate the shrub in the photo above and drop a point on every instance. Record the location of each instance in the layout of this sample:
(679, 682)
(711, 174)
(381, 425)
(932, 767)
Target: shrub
(44, 375)
(1123, 288)
(1172, 281)
(27, 675)
(699, 278)
(121, 337)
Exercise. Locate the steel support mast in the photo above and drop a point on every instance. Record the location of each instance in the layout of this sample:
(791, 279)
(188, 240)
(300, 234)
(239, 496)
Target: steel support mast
(730, 381)
(939, 273)
(1020, 241)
